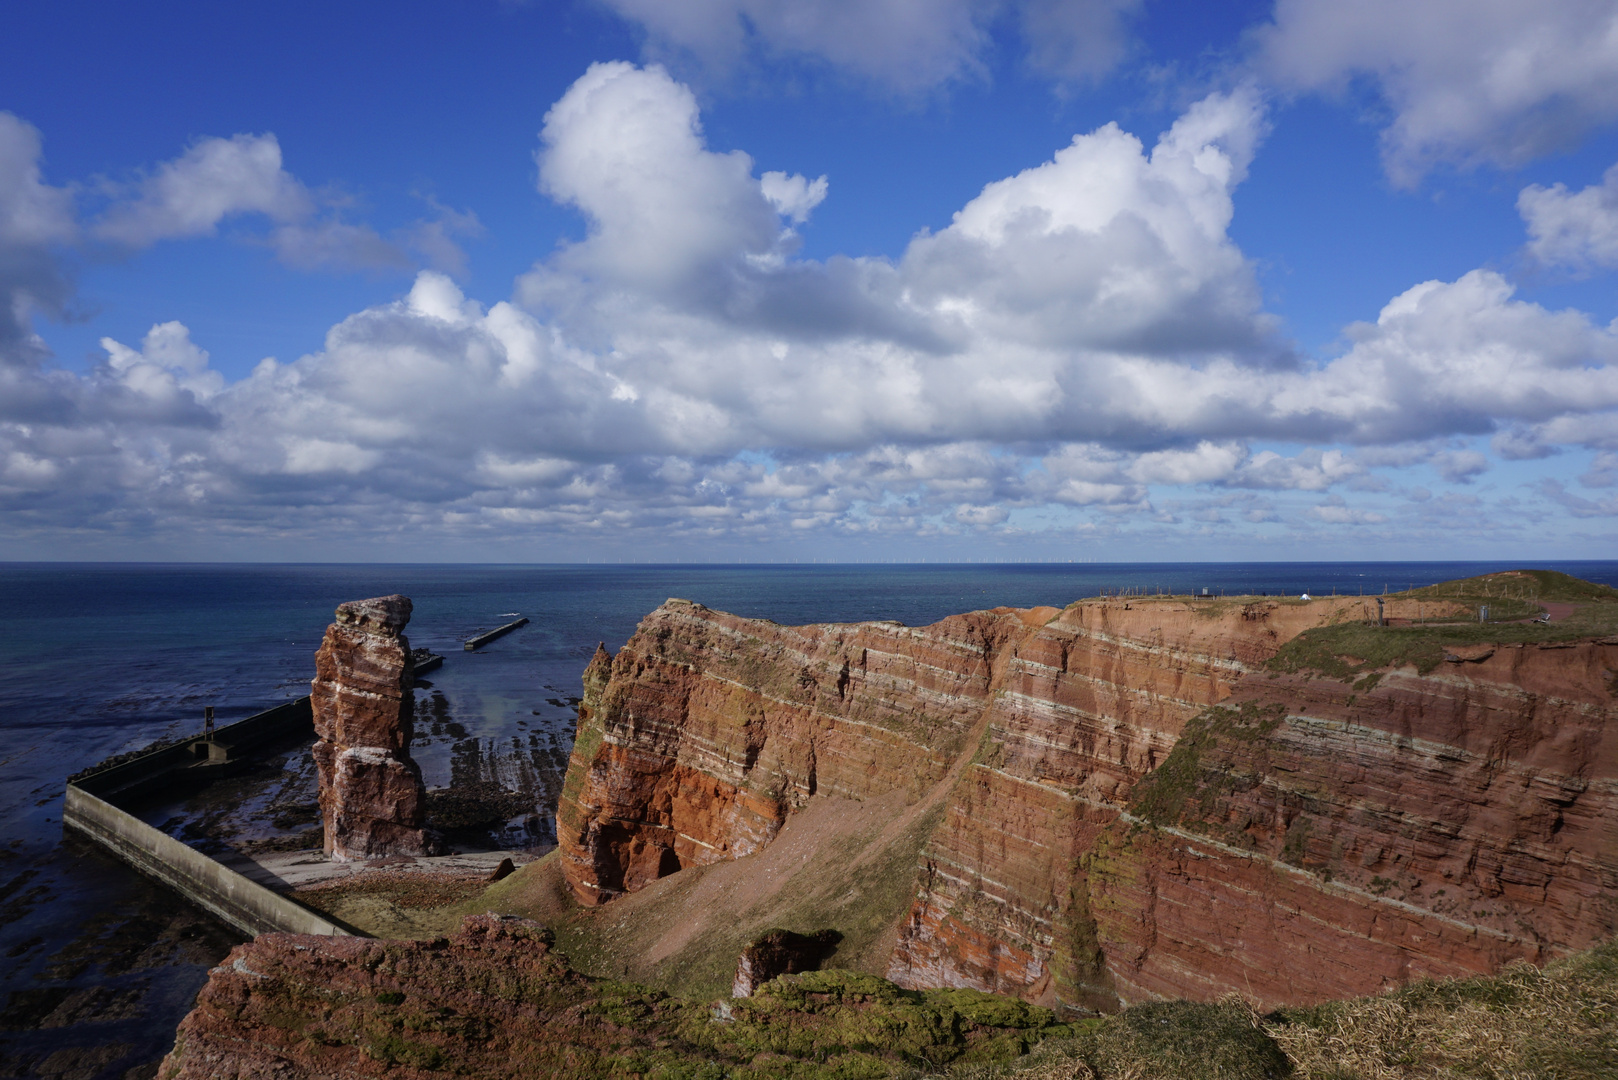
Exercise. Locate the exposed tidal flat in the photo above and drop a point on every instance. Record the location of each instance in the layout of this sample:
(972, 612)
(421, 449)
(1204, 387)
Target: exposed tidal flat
(98, 966)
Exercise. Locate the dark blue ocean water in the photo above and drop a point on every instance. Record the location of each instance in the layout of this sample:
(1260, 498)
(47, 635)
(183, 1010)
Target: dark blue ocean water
(99, 659)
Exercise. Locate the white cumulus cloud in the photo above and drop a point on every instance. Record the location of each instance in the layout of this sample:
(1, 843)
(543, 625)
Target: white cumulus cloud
(625, 146)
(793, 196)
(1577, 229)
(213, 180)
(167, 365)
(219, 179)
(1459, 357)
(1079, 334)
(35, 218)
(1468, 81)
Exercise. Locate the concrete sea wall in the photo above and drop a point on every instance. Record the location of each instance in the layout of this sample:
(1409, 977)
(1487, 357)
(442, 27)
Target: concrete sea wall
(240, 902)
(212, 886)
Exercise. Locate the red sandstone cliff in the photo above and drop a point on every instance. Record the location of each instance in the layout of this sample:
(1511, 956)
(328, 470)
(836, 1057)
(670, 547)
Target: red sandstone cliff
(706, 730)
(1320, 842)
(1111, 834)
(371, 795)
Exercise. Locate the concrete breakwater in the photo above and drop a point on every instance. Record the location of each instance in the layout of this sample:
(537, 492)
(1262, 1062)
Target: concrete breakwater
(499, 631)
(89, 808)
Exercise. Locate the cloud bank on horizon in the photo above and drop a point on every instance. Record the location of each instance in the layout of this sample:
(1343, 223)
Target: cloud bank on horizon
(1082, 362)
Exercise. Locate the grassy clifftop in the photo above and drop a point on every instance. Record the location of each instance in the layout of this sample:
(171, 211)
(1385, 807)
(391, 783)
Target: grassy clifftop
(1522, 586)
(1349, 649)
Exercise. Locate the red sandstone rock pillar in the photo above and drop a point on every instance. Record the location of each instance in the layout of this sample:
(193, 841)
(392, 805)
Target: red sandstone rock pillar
(371, 795)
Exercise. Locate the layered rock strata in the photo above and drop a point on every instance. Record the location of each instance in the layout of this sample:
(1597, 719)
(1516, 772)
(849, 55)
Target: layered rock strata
(706, 730)
(1134, 808)
(1319, 841)
(372, 799)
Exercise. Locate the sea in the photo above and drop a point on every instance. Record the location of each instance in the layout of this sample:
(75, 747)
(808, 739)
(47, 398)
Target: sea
(98, 965)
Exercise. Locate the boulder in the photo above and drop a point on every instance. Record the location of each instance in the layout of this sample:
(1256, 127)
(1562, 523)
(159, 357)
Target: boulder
(781, 952)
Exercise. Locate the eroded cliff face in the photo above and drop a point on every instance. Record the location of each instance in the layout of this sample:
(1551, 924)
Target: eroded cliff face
(707, 730)
(1318, 841)
(1133, 808)
(372, 800)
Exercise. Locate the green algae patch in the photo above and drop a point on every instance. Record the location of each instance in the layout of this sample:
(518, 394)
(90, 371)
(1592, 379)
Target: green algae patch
(1077, 961)
(587, 742)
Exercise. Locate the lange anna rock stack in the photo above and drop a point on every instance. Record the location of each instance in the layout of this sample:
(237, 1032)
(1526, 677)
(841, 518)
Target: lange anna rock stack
(371, 794)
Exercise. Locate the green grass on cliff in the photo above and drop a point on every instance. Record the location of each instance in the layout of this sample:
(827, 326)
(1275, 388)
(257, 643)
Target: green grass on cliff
(1525, 587)
(1555, 1023)
(406, 1014)
(830, 1014)
(1350, 649)
(1162, 795)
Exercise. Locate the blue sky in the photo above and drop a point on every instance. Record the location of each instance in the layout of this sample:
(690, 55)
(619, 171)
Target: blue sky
(755, 280)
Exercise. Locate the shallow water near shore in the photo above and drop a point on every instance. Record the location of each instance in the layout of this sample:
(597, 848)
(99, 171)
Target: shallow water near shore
(97, 965)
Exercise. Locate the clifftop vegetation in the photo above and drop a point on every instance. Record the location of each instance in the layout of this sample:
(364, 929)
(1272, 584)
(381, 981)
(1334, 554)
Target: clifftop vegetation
(1514, 599)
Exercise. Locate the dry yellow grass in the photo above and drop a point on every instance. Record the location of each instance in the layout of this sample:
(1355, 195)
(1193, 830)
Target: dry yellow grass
(1556, 1023)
